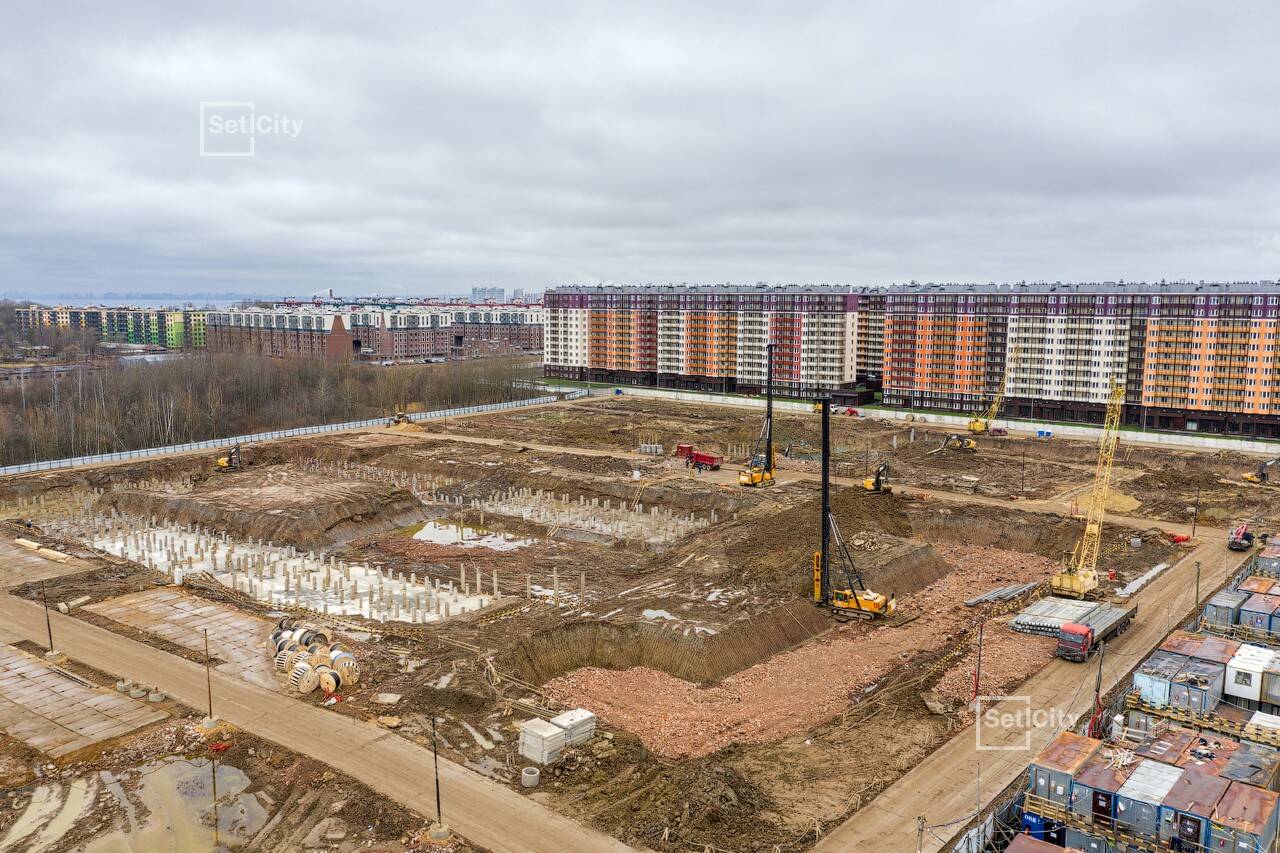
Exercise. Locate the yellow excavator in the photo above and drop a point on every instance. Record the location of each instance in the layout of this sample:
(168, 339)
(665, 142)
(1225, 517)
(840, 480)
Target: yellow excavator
(854, 601)
(759, 471)
(1080, 576)
(876, 482)
(980, 425)
(1262, 476)
(230, 462)
(956, 442)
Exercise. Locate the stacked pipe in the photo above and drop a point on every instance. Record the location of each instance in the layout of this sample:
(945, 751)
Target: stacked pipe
(305, 651)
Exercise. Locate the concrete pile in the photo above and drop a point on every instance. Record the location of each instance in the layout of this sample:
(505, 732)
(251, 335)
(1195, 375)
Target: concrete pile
(611, 519)
(283, 576)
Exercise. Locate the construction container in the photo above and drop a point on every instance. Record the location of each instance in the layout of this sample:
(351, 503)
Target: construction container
(1138, 802)
(1244, 821)
(1261, 725)
(1168, 745)
(1223, 610)
(1095, 786)
(1154, 677)
(1053, 769)
(1271, 683)
(1255, 584)
(1244, 674)
(1043, 829)
(1198, 686)
(1078, 840)
(1188, 808)
(1216, 649)
(1259, 613)
(1269, 558)
(1028, 844)
(1254, 765)
(683, 450)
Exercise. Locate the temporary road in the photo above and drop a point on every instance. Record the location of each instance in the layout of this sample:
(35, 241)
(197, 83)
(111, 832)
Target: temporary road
(482, 811)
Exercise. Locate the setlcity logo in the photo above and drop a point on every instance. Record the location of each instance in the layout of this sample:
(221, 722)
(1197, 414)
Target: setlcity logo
(1006, 723)
(232, 128)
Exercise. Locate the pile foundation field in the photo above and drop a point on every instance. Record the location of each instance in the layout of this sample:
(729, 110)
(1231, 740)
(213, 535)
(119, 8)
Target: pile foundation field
(495, 568)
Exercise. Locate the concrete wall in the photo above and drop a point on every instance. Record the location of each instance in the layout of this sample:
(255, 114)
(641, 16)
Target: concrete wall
(1181, 440)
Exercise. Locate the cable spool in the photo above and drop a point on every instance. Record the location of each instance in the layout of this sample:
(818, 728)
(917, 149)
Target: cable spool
(340, 656)
(320, 659)
(320, 637)
(296, 636)
(349, 671)
(339, 647)
(318, 649)
(285, 623)
(281, 658)
(303, 678)
(330, 679)
(295, 657)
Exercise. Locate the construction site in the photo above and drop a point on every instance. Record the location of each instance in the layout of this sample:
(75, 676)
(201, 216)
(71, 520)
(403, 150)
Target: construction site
(749, 672)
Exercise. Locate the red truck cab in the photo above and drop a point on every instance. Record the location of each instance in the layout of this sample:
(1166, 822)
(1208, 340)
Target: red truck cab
(1075, 641)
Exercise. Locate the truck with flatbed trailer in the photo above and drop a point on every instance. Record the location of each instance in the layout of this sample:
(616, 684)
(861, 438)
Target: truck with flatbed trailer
(1077, 641)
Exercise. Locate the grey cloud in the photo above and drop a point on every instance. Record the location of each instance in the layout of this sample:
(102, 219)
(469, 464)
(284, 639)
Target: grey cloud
(445, 145)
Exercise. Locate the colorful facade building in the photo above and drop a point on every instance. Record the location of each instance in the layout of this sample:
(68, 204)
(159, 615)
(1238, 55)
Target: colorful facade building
(1191, 356)
(172, 328)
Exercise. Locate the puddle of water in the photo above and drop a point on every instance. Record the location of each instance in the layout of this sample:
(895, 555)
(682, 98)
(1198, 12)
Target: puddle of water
(179, 795)
(79, 798)
(441, 533)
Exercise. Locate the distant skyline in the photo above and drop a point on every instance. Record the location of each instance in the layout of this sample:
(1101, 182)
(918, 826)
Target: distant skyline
(426, 150)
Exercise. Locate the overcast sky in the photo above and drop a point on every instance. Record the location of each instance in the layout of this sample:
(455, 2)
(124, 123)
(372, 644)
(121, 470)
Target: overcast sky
(534, 144)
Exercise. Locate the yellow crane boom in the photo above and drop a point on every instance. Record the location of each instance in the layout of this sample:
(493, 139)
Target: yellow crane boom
(1080, 577)
(979, 425)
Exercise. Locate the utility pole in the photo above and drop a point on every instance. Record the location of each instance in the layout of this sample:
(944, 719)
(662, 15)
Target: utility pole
(438, 831)
(920, 834)
(48, 624)
(1095, 728)
(209, 721)
(1023, 489)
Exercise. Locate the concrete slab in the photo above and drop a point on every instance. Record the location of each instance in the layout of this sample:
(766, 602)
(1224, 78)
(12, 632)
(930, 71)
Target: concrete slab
(236, 638)
(49, 712)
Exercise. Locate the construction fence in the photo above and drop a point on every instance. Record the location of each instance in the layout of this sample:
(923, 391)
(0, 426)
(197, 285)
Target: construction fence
(212, 444)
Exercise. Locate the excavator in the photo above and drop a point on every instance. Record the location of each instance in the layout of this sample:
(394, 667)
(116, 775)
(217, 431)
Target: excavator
(1080, 576)
(759, 471)
(876, 482)
(980, 425)
(854, 601)
(230, 462)
(956, 442)
(1262, 476)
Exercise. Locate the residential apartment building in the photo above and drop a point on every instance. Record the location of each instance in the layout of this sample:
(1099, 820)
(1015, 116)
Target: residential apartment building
(412, 332)
(703, 338)
(1194, 356)
(173, 328)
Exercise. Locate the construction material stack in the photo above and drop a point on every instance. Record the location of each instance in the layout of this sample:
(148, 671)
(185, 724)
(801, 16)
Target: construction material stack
(542, 741)
(579, 725)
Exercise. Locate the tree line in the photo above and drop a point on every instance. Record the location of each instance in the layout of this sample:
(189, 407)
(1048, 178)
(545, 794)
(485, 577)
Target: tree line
(210, 396)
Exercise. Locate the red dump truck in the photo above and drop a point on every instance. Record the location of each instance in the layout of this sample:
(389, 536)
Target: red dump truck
(1077, 641)
(704, 461)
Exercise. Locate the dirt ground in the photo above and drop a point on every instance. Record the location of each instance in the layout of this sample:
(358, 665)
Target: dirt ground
(279, 801)
(743, 743)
